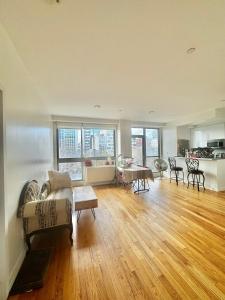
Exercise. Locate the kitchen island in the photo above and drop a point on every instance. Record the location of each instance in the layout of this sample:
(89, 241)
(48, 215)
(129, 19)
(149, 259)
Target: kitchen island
(214, 171)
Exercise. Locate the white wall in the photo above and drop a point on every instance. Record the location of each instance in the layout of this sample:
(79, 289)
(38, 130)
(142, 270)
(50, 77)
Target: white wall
(183, 132)
(2, 202)
(201, 134)
(27, 147)
(169, 142)
(125, 138)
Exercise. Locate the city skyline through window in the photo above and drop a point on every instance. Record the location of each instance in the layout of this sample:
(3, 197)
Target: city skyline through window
(74, 145)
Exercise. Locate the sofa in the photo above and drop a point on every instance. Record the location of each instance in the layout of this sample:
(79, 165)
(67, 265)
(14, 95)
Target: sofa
(42, 209)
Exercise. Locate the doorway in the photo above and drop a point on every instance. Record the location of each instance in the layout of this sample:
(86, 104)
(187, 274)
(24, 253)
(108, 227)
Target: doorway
(145, 143)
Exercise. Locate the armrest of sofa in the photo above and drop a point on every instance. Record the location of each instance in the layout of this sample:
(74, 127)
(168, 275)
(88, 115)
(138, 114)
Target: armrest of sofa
(44, 207)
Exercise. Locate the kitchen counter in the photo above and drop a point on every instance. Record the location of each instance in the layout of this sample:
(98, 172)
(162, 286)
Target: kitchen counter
(203, 158)
(214, 171)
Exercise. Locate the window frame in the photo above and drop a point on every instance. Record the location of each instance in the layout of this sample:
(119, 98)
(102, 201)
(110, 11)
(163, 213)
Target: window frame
(82, 158)
(159, 142)
(100, 157)
(144, 139)
(71, 159)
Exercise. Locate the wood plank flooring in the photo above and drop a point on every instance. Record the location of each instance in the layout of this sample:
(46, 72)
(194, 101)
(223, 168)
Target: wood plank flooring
(168, 243)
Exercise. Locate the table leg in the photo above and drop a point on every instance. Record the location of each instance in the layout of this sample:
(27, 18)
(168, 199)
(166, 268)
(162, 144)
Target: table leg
(78, 215)
(93, 212)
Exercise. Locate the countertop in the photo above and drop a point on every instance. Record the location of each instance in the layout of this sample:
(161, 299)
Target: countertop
(203, 158)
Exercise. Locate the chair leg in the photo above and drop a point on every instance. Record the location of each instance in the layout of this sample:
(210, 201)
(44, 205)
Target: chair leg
(203, 182)
(188, 180)
(183, 176)
(176, 174)
(198, 179)
(193, 180)
(170, 176)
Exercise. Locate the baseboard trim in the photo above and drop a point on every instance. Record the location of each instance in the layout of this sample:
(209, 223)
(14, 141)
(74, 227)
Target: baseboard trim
(15, 269)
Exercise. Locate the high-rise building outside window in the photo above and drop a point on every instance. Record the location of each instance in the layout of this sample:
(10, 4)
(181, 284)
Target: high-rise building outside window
(74, 145)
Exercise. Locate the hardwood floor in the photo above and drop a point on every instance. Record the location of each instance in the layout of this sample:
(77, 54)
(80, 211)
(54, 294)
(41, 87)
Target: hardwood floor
(165, 244)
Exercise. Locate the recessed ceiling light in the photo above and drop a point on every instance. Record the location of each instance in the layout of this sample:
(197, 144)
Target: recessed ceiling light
(191, 50)
(151, 111)
(97, 106)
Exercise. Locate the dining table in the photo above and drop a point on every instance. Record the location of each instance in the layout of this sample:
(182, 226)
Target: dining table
(136, 175)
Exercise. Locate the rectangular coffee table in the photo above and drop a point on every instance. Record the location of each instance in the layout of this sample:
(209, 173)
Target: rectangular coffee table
(85, 198)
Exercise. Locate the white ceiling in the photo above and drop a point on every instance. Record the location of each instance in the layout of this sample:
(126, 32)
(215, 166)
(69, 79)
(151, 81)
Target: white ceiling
(122, 54)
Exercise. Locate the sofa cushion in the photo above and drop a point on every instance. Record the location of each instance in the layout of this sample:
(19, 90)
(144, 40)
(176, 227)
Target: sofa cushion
(59, 180)
(66, 193)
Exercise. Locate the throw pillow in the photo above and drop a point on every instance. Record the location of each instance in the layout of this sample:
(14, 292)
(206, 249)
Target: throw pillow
(59, 180)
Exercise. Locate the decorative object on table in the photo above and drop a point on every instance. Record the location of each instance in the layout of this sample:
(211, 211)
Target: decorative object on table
(196, 174)
(174, 169)
(118, 159)
(109, 161)
(32, 272)
(122, 163)
(88, 163)
(126, 162)
(43, 212)
(161, 166)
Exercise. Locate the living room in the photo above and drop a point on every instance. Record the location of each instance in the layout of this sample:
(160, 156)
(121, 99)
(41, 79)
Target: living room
(88, 87)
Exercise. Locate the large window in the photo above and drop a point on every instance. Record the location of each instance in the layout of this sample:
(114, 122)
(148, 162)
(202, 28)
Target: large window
(145, 145)
(74, 145)
(70, 152)
(69, 142)
(99, 142)
(152, 142)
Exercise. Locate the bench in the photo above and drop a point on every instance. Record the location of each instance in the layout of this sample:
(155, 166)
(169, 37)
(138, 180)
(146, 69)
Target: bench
(85, 198)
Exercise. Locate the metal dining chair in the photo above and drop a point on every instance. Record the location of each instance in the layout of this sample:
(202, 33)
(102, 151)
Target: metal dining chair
(174, 169)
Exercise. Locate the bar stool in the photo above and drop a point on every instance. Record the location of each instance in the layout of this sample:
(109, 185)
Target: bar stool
(193, 170)
(176, 170)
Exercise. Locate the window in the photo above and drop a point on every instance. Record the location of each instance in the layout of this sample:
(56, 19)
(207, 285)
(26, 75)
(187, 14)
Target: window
(69, 140)
(69, 152)
(74, 145)
(99, 142)
(137, 131)
(152, 142)
(73, 168)
(145, 145)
